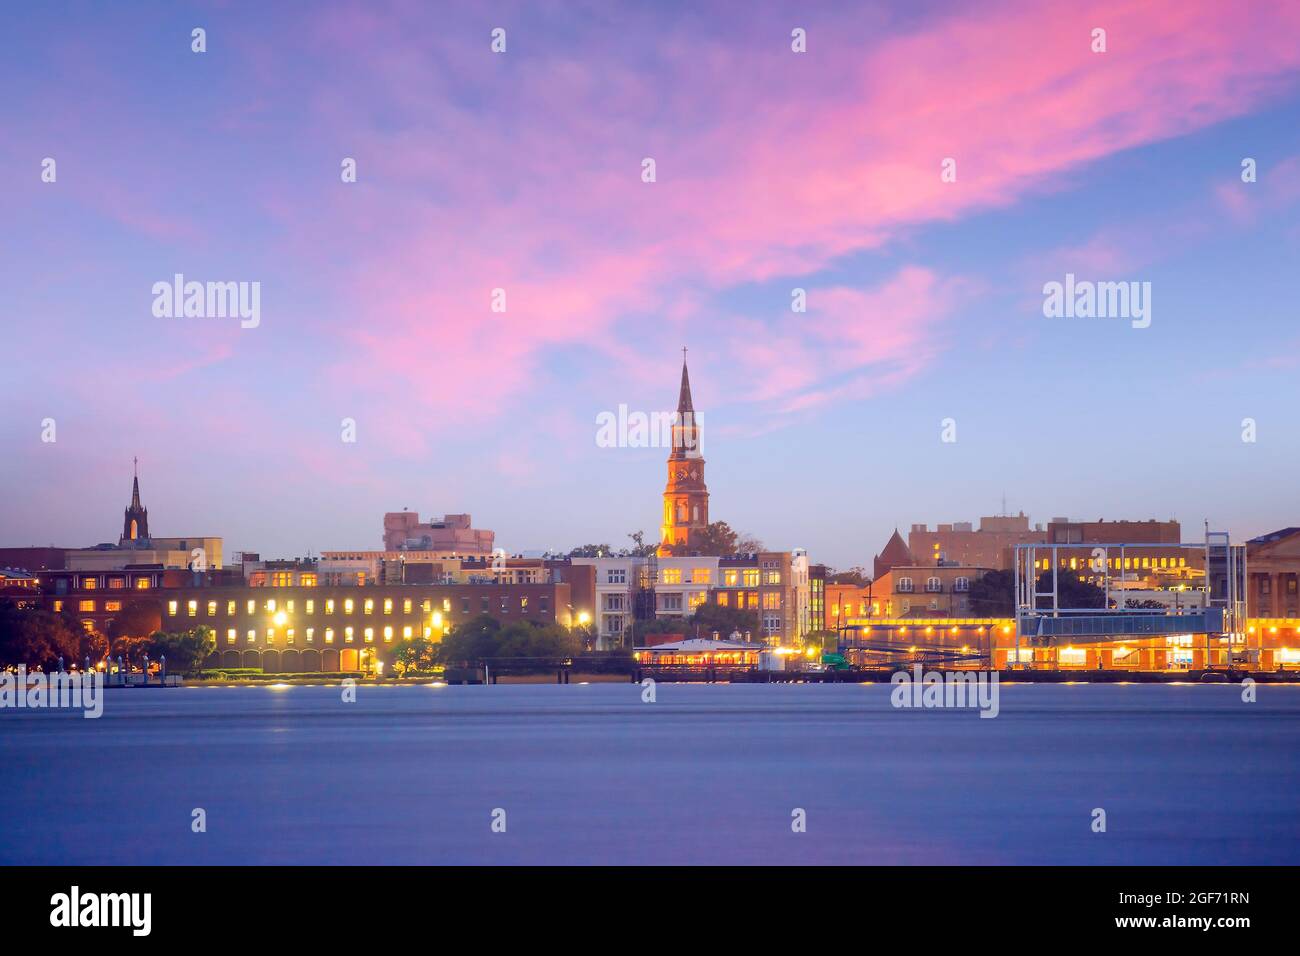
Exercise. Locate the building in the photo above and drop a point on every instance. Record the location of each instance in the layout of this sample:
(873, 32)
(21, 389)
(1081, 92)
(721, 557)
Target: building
(896, 553)
(34, 559)
(924, 591)
(1273, 575)
(699, 653)
(137, 547)
(299, 627)
(1101, 531)
(686, 497)
(773, 584)
(403, 531)
(629, 589)
(990, 546)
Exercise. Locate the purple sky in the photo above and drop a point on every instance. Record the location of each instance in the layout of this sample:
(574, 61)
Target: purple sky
(523, 171)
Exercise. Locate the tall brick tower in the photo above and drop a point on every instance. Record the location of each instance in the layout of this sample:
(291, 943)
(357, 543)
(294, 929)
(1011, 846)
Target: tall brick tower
(686, 499)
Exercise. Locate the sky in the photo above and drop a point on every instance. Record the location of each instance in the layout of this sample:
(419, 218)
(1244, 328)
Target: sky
(524, 171)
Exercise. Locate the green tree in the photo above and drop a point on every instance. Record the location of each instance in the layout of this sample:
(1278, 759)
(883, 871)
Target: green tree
(138, 619)
(36, 637)
(856, 576)
(993, 595)
(592, 551)
(717, 538)
(639, 548)
(659, 625)
(415, 655)
(186, 651)
(713, 617)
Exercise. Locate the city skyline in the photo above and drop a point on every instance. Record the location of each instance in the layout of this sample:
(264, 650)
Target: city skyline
(524, 171)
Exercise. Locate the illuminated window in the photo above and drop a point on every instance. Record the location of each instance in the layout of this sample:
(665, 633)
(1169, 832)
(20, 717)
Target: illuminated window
(288, 636)
(212, 609)
(252, 607)
(428, 605)
(370, 635)
(282, 579)
(311, 607)
(771, 577)
(270, 635)
(270, 606)
(751, 600)
(329, 635)
(347, 635)
(347, 605)
(288, 606)
(446, 605)
(88, 584)
(361, 579)
(192, 608)
(523, 605)
(117, 584)
(370, 606)
(388, 634)
(112, 605)
(58, 607)
(230, 609)
(406, 606)
(252, 636)
(671, 575)
(771, 600)
(307, 580)
(142, 584)
(171, 608)
(699, 575)
(311, 635)
(730, 577)
(388, 605)
(230, 635)
(406, 632)
(86, 606)
(751, 577)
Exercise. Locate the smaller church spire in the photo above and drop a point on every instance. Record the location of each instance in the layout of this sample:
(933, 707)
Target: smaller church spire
(135, 484)
(684, 404)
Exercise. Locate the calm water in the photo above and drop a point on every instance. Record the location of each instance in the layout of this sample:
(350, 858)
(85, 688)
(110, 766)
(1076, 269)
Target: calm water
(707, 774)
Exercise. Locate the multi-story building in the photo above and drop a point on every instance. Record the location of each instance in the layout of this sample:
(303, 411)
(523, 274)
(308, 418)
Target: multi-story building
(773, 584)
(1273, 575)
(289, 628)
(628, 589)
(403, 531)
(989, 546)
(924, 591)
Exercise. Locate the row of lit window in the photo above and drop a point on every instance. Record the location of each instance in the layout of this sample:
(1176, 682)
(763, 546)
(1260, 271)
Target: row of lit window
(368, 606)
(349, 635)
(141, 583)
(1130, 564)
(749, 577)
(88, 607)
(749, 600)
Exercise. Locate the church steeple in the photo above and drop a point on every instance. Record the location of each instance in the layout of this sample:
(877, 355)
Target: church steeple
(686, 498)
(135, 524)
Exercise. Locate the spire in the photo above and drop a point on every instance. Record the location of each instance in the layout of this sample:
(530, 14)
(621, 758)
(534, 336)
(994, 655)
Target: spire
(135, 485)
(684, 397)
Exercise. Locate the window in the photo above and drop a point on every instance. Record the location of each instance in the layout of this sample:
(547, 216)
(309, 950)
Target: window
(544, 604)
(329, 635)
(905, 585)
(347, 635)
(212, 609)
(751, 600)
(388, 605)
(464, 605)
(523, 604)
(671, 575)
(505, 604)
(230, 635)
(722, 599)
(230, 609)
(614, 602)
(771, 577)
(616, 576)
(933, 585)
(117, 584)
(288, 606)
(270, 635)
(699, 575)
(670, 602)
(347, 605)
(961, 584)
(406, 606)
(730, 578)
(771, 600)
(88, 584)
(252, 636)
(192, 608)
(171, 608)
(311, 635)
(771, 624)
(282, 579)
(370, 635)
(751, 577)
(483, 603)
(112, 605)
(252, 607)
(142, 584)
(58, 607)
(388, 634)
(311, 606)
(86, 607)
(407, 632)
(307, 580)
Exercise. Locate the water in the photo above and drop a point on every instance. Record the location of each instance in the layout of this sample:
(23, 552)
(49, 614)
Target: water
(707, 774)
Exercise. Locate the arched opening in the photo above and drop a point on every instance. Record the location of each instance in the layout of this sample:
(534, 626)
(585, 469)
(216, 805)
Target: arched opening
(348, 660)
(230, 659)
(271, 662)
(329, 660)
(311, 660)
(252, 659)
(289, 662)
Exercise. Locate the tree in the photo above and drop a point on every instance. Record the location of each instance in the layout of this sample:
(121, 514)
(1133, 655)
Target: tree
(747, 543)
(713, 617)
(36, 637)
(418, 654)
(658, 625)
(717, 538)
(138, 619)
(993, 595)
(856, 576)
(592, 551)
(484, 637)
(186, 651)
(640, 549)
(826, 641)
